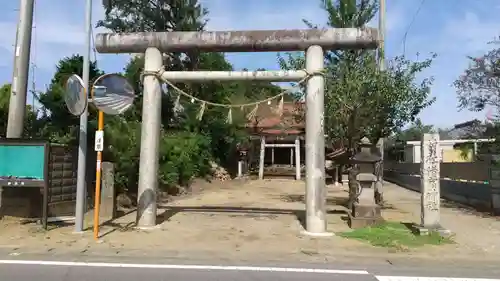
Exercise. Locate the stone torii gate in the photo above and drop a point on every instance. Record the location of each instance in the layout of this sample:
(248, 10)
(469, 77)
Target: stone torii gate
(312, 41)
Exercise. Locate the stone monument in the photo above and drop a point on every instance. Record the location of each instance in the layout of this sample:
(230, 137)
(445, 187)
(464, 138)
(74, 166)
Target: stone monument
(430, 178)
(108, 192)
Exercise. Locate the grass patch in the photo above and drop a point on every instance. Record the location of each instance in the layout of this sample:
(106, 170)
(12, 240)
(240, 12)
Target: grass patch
(394, 235)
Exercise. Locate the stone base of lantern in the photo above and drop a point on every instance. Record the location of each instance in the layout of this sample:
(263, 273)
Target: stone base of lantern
(365, 215)
(423, 230)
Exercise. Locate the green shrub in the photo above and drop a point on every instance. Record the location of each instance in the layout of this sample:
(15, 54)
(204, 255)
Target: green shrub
(122, 141)
(183, 156)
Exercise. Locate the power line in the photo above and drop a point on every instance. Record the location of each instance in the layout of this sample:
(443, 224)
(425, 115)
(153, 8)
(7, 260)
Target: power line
(417, 12)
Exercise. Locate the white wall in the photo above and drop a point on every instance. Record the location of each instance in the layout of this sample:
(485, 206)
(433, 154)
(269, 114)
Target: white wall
(412, 152)
(416, 154)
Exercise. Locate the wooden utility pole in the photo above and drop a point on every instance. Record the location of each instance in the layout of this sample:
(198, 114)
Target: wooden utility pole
(17, 103)
(381, 65)
(381, 30)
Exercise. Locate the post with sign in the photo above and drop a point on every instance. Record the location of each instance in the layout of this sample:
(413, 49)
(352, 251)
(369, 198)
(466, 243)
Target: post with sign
(99, 146)
(112, 94)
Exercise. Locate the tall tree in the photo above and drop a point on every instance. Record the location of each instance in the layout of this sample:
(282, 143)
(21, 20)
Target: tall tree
(414, 132)
(359, 99)
(347, 14)
(55, 121)
(446, 133)
(157, 16)
(212, 130)
(153, 15)
(4, 107)
(29, 120)
(479, 85)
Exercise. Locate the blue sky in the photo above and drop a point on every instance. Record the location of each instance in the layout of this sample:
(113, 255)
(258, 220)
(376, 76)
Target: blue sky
(451, 28)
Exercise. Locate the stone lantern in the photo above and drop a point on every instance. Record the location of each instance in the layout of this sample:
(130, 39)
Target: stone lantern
(242, 149)
(364, 209)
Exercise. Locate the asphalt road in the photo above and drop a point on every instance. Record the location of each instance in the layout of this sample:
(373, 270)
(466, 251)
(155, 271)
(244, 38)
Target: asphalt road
(51, 273)
(120, 270)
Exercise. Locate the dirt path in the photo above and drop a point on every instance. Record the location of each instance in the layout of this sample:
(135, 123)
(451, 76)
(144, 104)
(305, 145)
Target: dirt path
(251, 220)
(474, 232)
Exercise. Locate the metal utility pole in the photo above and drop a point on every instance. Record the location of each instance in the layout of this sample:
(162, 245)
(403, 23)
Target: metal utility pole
(81, 187)
(19, 87)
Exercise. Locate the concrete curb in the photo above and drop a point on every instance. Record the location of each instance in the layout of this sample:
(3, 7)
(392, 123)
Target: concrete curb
(379, 257)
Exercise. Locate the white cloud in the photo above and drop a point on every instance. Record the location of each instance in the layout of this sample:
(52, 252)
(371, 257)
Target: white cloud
(59, 27)
(468, 33)
(395, 19)
(262, 15)
(462, 33)
(58, 31)
(230, 15)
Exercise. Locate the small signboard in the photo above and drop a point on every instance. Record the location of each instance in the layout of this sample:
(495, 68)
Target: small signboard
(99, 141)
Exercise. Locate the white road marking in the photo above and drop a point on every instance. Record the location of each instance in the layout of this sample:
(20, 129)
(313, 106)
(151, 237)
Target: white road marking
(409, 278)
(181, 266)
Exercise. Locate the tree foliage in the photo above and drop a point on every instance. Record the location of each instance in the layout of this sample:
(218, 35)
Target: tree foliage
(479, 85)
(398, 141)
(30, 114)
(153, 15)
(347, 14)
(4, 108)
(157, 16)
(187, 144)
(360, 100)
(55, 122)
(414, 132)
